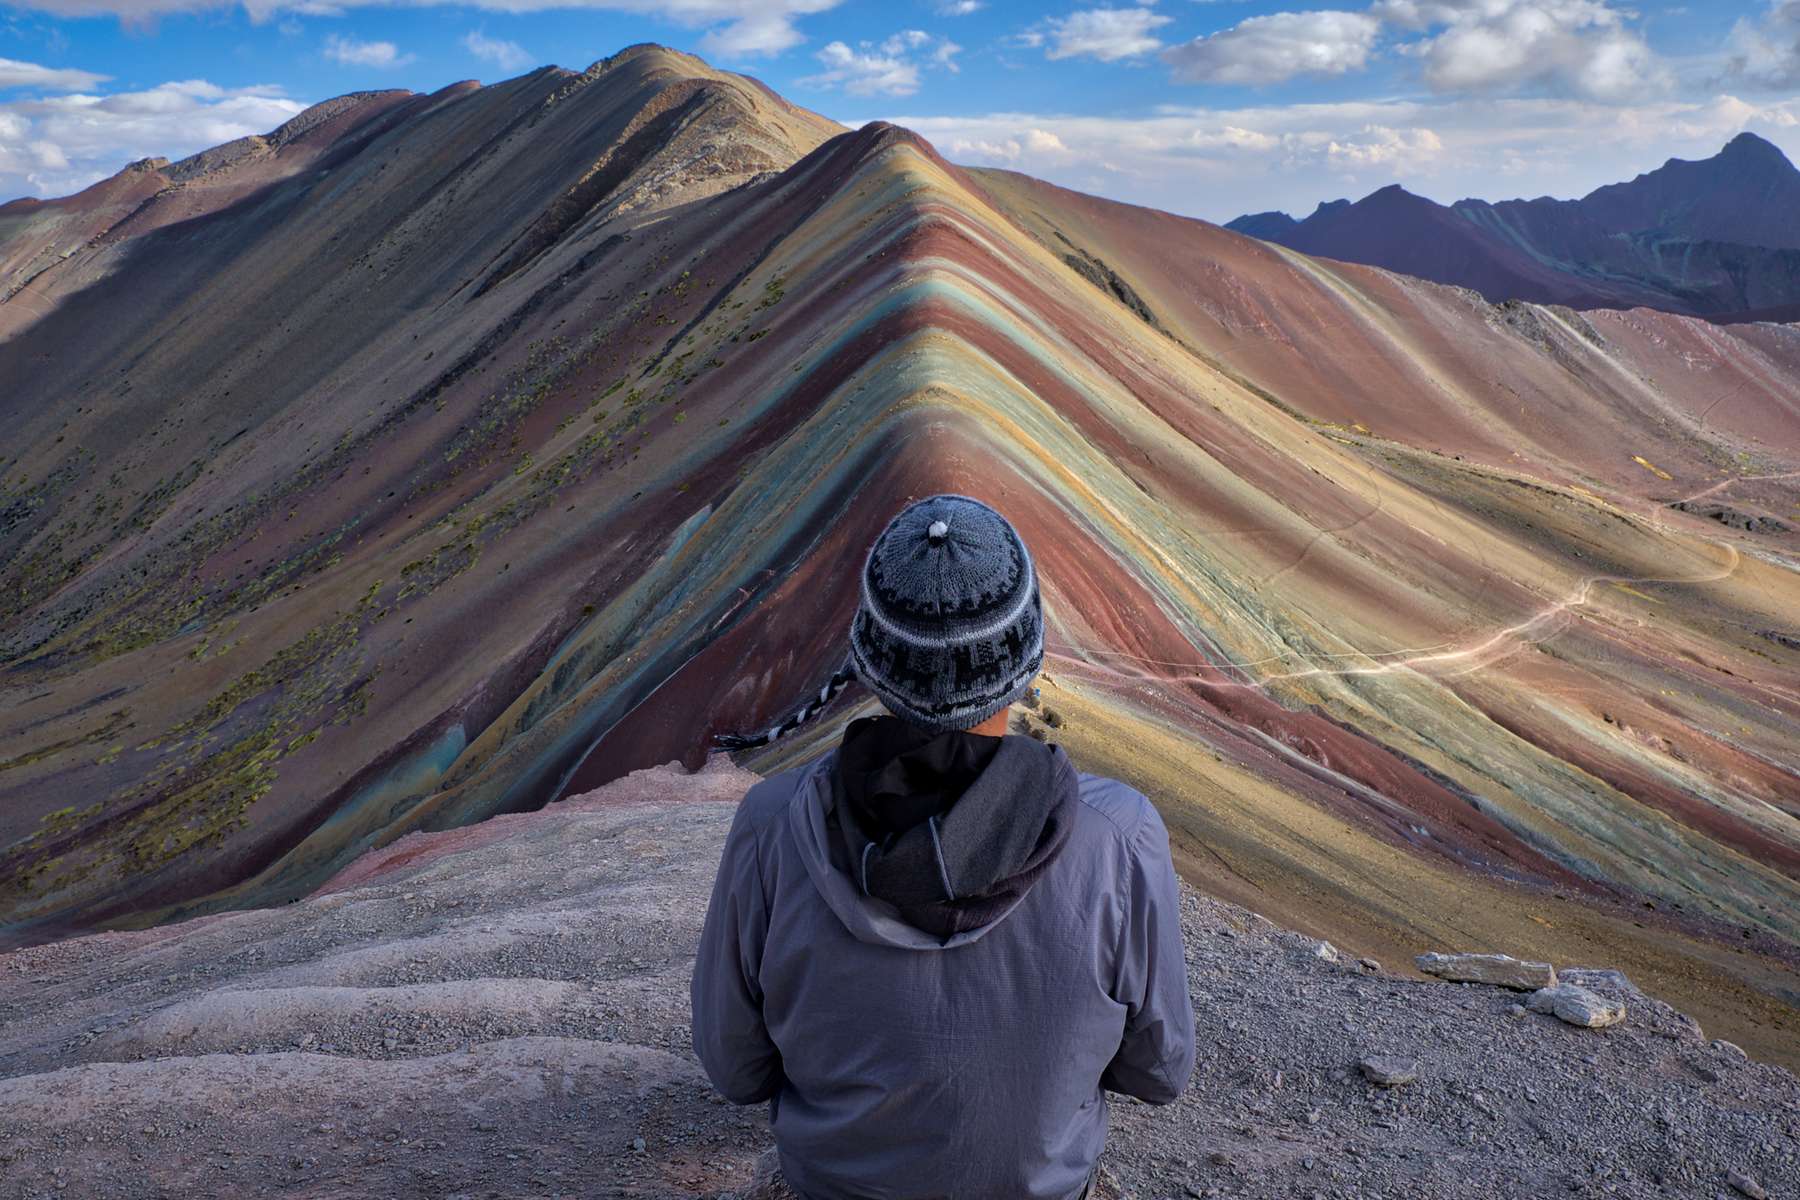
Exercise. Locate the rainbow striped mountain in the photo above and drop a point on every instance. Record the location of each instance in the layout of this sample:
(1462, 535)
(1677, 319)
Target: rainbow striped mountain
(435, 456)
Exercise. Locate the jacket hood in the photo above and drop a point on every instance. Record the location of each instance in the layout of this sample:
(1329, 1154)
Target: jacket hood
(1019, 810)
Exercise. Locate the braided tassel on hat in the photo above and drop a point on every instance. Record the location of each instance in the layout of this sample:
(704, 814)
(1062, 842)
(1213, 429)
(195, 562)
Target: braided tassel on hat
(949, 624)
(806, 712)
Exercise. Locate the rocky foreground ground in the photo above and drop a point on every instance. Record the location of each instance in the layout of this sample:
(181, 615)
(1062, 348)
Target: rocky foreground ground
(502, 1011)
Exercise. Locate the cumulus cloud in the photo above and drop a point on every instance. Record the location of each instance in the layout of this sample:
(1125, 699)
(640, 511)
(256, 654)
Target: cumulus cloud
(735, 28)
(349, 52)
(54, 145)
(1584, 47)
(1381, 146)
(1217, 163)
(959, 8)
(1039, 146)
(1766, 52)
(890, 67)
(864, 73)
(508, 56)
(1276, 48)
(1108, 34)
(15, 74)
(754, 27)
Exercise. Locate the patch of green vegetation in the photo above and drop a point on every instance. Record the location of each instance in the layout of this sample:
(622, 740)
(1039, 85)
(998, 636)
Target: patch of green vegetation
(773, 291)
(218, 762)
(115, 721)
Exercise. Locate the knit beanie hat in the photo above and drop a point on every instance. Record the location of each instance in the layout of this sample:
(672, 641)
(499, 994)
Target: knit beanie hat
(949, 628)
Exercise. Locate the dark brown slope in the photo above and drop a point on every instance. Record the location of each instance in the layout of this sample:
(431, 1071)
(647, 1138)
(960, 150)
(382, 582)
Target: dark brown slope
(38, 235)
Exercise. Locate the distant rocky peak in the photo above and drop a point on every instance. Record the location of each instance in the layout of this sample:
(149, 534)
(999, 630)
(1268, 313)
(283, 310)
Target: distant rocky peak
(1748, 147)
(1266, 225)
(1744, 156)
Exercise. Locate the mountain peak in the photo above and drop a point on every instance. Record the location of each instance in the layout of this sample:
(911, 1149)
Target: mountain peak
(1748, 147)
(1392, 195)
(1265, 225)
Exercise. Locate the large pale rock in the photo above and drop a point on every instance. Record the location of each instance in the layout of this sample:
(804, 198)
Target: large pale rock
(1501, 970)
(1577, 1006)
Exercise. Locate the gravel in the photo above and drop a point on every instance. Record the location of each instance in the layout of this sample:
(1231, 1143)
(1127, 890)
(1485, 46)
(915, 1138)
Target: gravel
(502, 1011)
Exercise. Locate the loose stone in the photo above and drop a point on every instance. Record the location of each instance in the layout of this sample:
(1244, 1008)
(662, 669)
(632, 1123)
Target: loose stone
(1384, 1070)
(1501, 970)
(1577, 1006)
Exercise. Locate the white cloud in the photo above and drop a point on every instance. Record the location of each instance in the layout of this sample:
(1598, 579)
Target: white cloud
(1108, 34)
(51, 146)
(508, 56)
(1766, 52)
(906, 39)
(1218, 163)
(15, 74)
(1423, 14)
(1585, 48)
(1276, 48)
(1580, 47)
(754, 28)
(1380, 146)
(348, 52)
(1038, 146)
(889, 67)
(959, 8)
(861, 73)
(735, 28)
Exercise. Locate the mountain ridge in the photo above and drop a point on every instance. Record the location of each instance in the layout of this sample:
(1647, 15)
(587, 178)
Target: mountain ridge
(1714, 237)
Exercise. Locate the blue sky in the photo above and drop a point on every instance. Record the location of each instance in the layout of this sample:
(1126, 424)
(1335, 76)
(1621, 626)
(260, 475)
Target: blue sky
(1209, 108)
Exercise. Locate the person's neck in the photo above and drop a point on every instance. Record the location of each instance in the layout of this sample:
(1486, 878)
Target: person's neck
(994, 726)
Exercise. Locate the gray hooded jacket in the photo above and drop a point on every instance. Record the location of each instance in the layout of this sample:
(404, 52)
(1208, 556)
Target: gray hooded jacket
(899, 1065)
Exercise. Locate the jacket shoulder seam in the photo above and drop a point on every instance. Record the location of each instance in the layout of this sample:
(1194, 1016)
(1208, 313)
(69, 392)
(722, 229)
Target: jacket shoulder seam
(1124, 832)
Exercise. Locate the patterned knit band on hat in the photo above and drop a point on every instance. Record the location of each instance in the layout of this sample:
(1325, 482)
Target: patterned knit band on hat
(950, 629)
